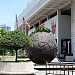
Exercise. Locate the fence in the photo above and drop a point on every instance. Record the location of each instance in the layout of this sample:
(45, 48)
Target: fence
(61, 68)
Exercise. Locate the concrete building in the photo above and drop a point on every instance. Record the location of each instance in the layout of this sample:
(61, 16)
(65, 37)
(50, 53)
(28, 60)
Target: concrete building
(60, 13)
(5, 27)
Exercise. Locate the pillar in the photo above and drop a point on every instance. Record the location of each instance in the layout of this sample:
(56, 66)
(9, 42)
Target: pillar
(59, 35)
(73, 27)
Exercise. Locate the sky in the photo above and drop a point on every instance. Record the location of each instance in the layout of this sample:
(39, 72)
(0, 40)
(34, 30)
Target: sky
(9, 9)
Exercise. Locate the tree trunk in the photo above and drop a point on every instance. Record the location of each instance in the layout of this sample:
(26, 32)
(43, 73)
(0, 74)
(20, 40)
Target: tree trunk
(16, 55)
(12, 52)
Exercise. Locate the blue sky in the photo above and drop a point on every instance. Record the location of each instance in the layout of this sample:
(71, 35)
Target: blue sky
(9, 9)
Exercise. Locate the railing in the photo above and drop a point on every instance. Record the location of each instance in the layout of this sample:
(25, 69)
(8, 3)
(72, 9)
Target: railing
(62, 68)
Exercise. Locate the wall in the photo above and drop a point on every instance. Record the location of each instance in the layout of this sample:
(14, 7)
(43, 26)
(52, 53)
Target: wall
(64, 28)
(73, 27)
(48, 24)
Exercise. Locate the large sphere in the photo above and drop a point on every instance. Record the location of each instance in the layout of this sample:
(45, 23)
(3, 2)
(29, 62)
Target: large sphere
(44, 48)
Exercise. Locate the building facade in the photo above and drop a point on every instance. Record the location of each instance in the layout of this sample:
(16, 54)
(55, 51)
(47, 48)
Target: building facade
(58, 13)
(5, 27)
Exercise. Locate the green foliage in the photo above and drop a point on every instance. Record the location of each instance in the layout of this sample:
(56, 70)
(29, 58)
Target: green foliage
(2, 32)
(2, 51)
(22, 56)
(15, 40)
(41, 29)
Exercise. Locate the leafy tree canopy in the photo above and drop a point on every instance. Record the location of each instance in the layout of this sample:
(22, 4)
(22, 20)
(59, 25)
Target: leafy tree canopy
(14, 40)
(3, 32)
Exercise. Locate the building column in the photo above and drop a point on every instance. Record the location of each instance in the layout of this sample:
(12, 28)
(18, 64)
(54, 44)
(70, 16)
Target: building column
(73, 27)
(59, 35)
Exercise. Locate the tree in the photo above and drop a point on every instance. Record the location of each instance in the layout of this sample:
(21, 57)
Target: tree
(3, 32)
(15, 40)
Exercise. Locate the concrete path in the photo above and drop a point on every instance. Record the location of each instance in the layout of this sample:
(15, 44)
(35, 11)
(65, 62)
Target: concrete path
(25, 68)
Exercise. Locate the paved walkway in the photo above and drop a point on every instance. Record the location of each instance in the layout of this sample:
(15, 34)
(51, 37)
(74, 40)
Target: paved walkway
(26, 68)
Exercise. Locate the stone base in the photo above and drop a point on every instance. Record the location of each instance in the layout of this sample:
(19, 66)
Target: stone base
(17, 68)
(68, 58)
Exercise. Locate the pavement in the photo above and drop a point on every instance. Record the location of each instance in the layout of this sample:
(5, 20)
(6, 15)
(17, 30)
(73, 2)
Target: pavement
(27, 68)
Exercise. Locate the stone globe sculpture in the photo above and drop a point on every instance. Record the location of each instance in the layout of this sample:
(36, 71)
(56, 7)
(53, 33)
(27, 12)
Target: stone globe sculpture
(44, 48)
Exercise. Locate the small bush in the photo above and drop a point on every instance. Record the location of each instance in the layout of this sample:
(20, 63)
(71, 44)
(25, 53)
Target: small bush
(22, 56)
(41, 29)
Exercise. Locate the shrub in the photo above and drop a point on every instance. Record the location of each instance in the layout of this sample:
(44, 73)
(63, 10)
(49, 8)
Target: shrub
(41, 29)
(22, 56)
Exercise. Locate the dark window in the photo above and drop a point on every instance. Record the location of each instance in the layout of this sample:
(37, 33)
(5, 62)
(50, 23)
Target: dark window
(36, 25)
(64, 46)
(31, 27)
(66, 12)
(45, 19)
